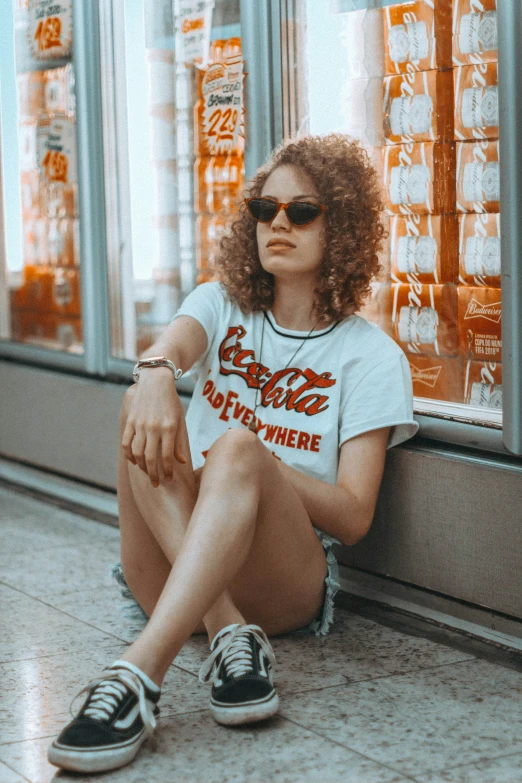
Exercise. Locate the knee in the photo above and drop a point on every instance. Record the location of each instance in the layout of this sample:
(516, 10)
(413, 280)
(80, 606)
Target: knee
(236, 450)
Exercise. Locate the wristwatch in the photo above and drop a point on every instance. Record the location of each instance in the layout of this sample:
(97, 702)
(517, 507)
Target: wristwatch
(156, 361)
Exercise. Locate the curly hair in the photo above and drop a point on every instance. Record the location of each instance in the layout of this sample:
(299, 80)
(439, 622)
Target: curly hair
(348, 185)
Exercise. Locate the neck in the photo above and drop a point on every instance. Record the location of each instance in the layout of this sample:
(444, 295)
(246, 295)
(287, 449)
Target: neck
(293, 307)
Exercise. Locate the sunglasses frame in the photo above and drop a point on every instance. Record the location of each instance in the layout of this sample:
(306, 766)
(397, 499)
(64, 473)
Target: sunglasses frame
(280, 205)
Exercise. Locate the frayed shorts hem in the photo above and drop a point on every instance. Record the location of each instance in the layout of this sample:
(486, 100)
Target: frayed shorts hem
(320, 626)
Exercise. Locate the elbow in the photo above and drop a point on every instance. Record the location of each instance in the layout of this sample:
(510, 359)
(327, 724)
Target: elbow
(356, 530)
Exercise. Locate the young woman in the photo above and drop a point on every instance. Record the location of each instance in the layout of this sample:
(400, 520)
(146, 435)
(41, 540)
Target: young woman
(228, 518)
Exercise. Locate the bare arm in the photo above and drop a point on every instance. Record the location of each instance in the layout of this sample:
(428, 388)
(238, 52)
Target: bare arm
(151, 438)
(345, 510)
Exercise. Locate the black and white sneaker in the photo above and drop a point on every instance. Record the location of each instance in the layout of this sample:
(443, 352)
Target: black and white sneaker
(116, 718)
(240, 669)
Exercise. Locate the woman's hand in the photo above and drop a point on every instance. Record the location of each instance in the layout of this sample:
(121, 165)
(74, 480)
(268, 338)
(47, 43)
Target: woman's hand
(153, 433)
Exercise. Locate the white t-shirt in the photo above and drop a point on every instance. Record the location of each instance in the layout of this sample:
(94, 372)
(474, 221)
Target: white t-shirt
(345, 380)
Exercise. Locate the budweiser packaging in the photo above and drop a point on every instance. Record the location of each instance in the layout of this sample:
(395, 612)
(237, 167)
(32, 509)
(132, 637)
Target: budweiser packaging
(50, 28)
(476, 101)
(417, 36)
(56, 155)
(27, 146)
(483, 384)
(30, 194)
(424, 249)
(419, 178)
(30, 89)
(362, 110)
(474, 31)
(361, 34)
(480, 323)
(59, 90)
(479, 249)
(436, 377)
(478, 176)
(421, 318)
(418, 106)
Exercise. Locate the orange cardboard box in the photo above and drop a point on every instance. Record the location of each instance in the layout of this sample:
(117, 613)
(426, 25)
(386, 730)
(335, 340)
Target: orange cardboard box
(476, 101)
(417, 36)
(30, 194)
(474, 31)
(479, 249)
(483, 384)
(418, 106)
(59, 90)
(480, 323)
(478, 176)
(437, 378)
(30, 87)
(421, 318)
(419, 178)
(424, 249)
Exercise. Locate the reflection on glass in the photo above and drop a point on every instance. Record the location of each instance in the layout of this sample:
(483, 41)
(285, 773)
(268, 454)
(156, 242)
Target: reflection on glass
(45, 293)
(416, 83)
(184, 93)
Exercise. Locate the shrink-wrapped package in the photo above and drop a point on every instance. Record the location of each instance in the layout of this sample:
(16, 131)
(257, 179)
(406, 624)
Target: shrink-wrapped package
(476, 101)
(418, 106)
(480, 323)
(479, 249)
(436, 377)
(424, 248)
(478, 176)
(475, 37)
(483, 384)
(421, 318)
(417, 36)
(419, 178)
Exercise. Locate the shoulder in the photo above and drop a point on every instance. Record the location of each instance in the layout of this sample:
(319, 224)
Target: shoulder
(367, 342)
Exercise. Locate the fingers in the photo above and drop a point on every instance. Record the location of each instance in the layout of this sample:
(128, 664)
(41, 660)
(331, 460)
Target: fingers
(126, 442)
(151, 458)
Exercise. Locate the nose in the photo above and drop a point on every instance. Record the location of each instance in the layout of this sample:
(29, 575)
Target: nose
(281, 221)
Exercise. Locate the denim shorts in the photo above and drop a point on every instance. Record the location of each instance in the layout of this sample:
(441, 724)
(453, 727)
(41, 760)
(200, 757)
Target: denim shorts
(320, 626)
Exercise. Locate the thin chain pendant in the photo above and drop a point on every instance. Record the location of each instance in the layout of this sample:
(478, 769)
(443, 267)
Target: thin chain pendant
(253, 425)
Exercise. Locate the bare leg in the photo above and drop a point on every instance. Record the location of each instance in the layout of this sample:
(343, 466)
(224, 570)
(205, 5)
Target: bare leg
(153, 523)
(216, 544)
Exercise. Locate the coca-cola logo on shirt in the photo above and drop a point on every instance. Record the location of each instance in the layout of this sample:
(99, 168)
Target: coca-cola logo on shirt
(288, 388)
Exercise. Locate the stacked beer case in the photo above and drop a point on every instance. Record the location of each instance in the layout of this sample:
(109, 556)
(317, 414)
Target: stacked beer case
(440, 296)
(46, 306)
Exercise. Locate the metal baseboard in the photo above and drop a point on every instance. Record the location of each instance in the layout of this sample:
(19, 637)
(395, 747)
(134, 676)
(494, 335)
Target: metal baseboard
(474, 620)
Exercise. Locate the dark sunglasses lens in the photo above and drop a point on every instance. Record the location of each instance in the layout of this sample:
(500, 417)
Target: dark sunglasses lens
(261, 209)
(300, 213)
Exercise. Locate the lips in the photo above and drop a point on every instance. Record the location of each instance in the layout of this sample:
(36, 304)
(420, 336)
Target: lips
(279, 242)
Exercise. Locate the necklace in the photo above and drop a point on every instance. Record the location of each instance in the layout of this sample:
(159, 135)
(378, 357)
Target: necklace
(253, 424)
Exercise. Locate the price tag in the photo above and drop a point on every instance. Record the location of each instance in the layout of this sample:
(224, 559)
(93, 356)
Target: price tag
(50, 28)
(222, 90)
(193, 23)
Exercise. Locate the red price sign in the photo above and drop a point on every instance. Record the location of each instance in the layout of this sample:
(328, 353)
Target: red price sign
(48, 33)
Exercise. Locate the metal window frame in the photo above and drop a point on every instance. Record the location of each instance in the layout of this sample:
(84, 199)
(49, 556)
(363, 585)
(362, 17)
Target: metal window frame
(450, 424)
(93, 255)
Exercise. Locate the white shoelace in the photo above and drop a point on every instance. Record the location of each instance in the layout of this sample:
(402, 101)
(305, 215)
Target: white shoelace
(109, 690)
(237, 653)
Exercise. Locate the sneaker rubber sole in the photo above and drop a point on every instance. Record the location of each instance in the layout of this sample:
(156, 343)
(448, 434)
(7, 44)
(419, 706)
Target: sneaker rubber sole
(98, 760)
(233, 715)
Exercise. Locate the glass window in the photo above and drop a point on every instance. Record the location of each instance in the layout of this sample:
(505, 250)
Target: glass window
(39, 176)
(416, 83)
(180, 150)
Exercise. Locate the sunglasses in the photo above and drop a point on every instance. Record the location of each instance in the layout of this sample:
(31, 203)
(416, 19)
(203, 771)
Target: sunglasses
(299, 213)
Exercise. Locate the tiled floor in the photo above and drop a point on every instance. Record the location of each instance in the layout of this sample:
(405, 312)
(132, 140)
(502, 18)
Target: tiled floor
(371, 703)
